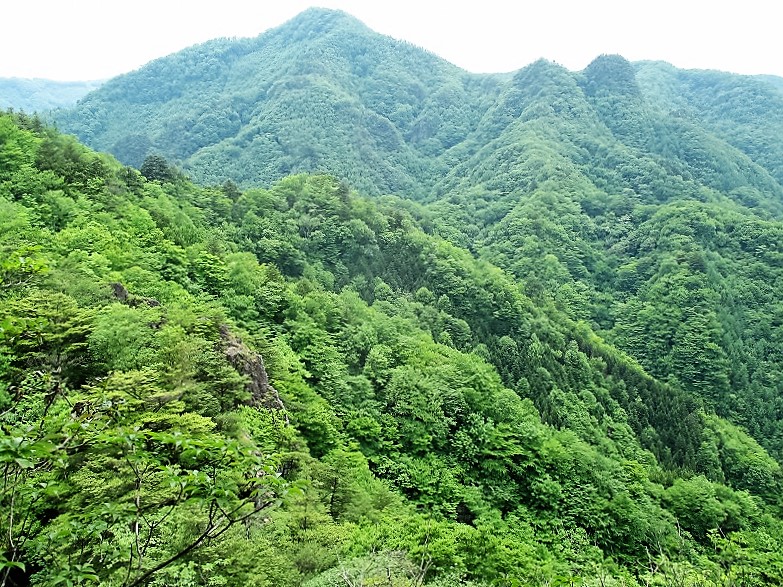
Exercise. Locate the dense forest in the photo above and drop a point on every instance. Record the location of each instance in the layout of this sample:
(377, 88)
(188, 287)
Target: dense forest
(323, 93)
(298, 385)
(341, 314)
(638, 198)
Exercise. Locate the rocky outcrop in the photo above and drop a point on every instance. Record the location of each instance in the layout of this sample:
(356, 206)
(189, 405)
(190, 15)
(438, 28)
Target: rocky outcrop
(121, 293)
(251, 364)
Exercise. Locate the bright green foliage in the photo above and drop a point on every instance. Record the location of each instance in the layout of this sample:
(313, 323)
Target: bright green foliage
(176, 360)
(638, 198)
(320, 93)
(116, 450)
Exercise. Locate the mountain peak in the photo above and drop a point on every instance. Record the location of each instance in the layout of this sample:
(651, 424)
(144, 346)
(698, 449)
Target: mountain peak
(316, 20)
(321, 12)
(611, 74)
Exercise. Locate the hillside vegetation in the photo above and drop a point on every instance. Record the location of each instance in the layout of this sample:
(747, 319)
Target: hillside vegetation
(320, 93)
(363, 318)
(641, 199)
(298, 385)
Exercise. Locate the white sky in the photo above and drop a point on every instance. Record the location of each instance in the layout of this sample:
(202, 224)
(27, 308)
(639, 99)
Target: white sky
(95, 39)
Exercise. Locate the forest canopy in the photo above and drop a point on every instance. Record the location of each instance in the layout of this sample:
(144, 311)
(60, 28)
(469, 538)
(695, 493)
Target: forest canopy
(300, 385)
(342, 314)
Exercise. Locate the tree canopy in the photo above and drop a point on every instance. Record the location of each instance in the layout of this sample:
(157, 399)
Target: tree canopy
(298, 385)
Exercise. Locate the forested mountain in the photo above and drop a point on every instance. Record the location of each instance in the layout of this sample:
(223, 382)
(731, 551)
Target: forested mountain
(641, 198)
(320, 93)
(300, 385)
(38, 95)
(324, 93)
(635, 216)
(546, 349)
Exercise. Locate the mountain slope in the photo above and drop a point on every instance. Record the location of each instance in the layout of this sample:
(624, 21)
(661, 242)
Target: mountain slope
(567, 177)
(744, 111)
(324, 93)
(641, 199)
(321, 92)
(176, 360)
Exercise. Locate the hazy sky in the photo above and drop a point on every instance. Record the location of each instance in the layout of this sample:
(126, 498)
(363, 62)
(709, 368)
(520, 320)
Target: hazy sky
(94, 39)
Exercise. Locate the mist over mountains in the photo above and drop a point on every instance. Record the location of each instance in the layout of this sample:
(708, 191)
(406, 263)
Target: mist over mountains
(39, 95)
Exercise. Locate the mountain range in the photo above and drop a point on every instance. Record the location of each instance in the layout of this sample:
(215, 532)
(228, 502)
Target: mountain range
(495, 329)
(548, 173)
(254, 110)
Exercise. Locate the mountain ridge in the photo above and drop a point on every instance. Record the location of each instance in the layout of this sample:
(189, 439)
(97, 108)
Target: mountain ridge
(39, 95)
(542, 345)
(561, 178)
(412, 137)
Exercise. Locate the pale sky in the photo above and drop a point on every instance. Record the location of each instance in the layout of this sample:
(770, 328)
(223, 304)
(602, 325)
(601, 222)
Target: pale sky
(97, 39)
